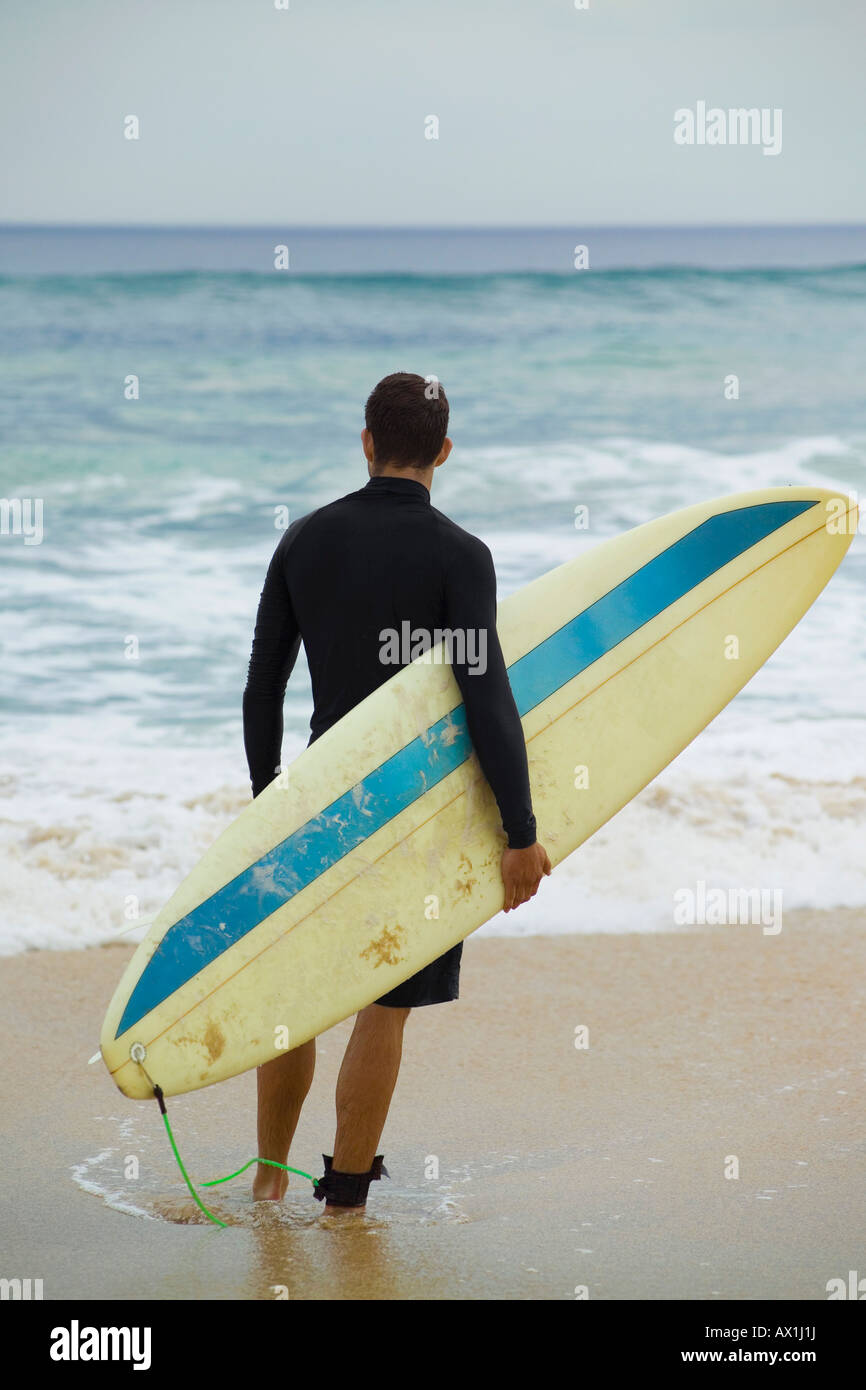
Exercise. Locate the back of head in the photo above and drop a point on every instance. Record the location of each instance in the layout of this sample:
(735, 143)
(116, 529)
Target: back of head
(407, 415)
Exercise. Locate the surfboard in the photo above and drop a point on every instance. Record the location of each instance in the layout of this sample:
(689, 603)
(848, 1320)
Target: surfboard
(378, 848)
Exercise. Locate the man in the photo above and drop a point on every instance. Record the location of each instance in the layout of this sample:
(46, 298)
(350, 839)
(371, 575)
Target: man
(340, 579)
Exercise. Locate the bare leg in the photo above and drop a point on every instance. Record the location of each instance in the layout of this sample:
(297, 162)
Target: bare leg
(366, 1084)
(282, 1086)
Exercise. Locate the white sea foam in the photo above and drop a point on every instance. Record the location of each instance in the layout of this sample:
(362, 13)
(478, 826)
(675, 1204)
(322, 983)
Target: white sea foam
(88, 1176)
(95, 837)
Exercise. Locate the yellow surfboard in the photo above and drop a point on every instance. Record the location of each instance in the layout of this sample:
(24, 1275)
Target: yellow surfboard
(379, 847)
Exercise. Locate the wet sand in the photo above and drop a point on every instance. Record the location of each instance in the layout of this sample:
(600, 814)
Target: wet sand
(522, 1167)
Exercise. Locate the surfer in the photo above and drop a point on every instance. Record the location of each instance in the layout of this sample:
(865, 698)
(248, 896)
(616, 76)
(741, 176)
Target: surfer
(341, 578)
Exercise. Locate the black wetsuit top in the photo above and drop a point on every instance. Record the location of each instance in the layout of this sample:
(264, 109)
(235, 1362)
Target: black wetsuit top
(343, 575)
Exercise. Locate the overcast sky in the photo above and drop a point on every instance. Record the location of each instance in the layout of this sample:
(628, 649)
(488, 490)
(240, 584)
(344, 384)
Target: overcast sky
(548, 115)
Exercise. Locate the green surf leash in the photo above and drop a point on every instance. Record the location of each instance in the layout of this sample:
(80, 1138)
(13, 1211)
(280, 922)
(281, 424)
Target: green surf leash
(271, 1162)
(157, 1091)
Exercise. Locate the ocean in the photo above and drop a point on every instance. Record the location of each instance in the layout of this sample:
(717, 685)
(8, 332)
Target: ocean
(127, 627)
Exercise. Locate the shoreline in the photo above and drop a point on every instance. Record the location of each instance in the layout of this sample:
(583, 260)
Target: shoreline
(523, 1167)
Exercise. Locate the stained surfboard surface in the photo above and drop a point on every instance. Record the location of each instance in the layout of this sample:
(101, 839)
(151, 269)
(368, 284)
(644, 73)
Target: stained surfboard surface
(378, 848)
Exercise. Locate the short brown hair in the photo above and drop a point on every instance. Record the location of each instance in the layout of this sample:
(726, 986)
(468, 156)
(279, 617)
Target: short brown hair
(407, 416)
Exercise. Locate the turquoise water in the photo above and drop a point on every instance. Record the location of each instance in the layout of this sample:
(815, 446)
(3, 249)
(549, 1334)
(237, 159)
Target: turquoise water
(603, 387)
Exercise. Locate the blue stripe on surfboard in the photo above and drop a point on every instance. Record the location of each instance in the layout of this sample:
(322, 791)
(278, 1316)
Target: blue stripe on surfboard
(236, 909)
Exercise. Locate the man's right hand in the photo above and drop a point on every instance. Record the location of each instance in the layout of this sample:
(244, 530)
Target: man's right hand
(522, 871)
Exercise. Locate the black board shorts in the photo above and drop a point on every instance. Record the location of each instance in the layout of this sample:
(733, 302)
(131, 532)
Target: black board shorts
(437, 983)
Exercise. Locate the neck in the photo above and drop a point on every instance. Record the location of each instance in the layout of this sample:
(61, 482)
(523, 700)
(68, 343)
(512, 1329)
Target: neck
(418, 475)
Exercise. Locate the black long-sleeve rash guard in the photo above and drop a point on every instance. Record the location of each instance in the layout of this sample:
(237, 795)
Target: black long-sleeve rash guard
(350, 571)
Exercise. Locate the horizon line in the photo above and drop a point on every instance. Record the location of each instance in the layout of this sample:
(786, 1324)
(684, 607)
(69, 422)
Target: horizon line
(570, 228)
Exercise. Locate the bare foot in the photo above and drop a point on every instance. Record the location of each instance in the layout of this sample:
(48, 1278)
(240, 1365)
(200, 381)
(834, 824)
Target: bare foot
(269, 1184)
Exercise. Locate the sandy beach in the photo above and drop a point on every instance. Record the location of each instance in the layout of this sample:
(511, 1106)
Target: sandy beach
(522, 1167)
